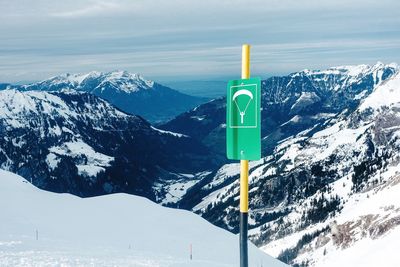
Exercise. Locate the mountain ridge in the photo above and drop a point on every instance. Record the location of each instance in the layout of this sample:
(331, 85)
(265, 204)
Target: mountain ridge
(130, 92)
(76, 142)
(281, 102)
(323, 156)
(330, 140)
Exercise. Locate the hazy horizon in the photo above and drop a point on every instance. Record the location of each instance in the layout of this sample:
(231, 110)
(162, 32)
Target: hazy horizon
(174, 79)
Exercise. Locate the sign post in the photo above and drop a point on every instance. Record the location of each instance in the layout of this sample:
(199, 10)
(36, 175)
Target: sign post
(243, 136)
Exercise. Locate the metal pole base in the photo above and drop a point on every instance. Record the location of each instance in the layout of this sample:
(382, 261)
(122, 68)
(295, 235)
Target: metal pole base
(244, 260)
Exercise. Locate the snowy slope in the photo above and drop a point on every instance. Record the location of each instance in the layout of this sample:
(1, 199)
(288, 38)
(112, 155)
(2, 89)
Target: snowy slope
(113, 230)
(360, 155)
(367, 253)
(369, 224)
(367, 221)
(385, 95)
(344, 168)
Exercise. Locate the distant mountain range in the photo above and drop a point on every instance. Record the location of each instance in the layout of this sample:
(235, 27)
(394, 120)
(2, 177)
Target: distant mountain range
(129, 92)
(328, 180)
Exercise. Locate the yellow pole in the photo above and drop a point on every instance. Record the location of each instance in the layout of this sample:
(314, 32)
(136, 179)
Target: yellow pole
(244, 164)
(244, 186)
(244, 177)
(245, 61)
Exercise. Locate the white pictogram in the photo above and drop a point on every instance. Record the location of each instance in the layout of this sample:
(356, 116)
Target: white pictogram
(238, 93)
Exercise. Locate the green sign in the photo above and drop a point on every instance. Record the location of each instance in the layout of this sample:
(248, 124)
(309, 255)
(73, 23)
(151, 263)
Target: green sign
(243, 119)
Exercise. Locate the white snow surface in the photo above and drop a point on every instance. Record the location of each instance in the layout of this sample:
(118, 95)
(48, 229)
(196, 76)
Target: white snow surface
(367, 252)
(168, 132)
(94, 161)
(386, 94)
(112, 230)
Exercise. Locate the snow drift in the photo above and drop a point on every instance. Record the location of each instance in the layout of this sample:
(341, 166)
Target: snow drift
(112, 230)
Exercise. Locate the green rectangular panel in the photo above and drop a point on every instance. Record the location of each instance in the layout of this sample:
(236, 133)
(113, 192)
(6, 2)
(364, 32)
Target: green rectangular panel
(243, 119)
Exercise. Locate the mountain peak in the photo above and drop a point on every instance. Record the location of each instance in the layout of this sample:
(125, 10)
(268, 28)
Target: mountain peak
(352, 70)
(75, 78)
(125, 80)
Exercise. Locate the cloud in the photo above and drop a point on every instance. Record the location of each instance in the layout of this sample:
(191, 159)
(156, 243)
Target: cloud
(91, 9)
(184, 38)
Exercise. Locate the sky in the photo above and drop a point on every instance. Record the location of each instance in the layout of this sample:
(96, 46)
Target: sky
(175, 40)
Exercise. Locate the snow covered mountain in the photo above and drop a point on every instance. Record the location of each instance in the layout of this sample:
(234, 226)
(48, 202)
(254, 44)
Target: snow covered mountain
(130, 92)
(328, 183)
(40, 228)
(78, 143)
(345, 190)
(290, 104)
